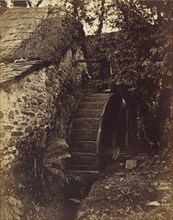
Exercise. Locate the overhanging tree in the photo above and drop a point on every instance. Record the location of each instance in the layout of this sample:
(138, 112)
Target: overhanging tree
(144, 57)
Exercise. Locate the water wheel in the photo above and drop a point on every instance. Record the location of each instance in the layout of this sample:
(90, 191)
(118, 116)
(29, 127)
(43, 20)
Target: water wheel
(93, 133)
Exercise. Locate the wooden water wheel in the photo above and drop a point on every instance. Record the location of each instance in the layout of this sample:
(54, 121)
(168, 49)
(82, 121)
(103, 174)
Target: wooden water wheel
(93, 134)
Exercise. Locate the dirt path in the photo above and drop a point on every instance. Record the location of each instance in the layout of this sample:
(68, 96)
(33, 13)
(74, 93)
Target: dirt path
(142, 193)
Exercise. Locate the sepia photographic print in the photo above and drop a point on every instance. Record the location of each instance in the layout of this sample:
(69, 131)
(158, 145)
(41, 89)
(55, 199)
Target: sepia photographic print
(86, 109)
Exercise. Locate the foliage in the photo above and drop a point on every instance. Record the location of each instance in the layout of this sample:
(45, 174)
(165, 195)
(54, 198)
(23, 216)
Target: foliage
(3, 3)
(93, 14)
(143, 57)
(134, 44)
(43, 163)
(36, 178)
(140, 52)
(146, 40)
(11, 208)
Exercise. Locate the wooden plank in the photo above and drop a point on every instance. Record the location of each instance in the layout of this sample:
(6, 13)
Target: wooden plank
(82, 154)
(98, 98)
(91, 105)
(93, 99)
(83, 113)
(87, 123)
(85, 132)
(80, 172)
(80, 146)
(87, 60)
(81, 167)
(83, 159)
(83, 135)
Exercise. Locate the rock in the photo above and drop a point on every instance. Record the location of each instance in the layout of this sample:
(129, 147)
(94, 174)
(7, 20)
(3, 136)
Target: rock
(77, 201)
(81, 214)
(107, 187)
(155, 184)
(130, 164)
(163, 188)
(8, 127)
(153, 203)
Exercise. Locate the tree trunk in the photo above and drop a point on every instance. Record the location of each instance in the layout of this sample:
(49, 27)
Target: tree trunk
(75, 4)
(101, 18)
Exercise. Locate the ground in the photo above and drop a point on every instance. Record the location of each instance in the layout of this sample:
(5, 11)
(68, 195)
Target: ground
(142, 193)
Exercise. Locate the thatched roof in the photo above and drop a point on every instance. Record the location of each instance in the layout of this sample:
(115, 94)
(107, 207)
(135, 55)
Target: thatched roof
(11, 71)
(3, 10)
(37, 34)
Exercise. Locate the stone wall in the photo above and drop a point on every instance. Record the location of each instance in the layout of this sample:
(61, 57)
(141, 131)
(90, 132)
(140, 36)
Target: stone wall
(42, 102)
(35, 109)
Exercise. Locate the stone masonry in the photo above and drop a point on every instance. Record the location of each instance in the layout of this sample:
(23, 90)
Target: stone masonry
(41, 102)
